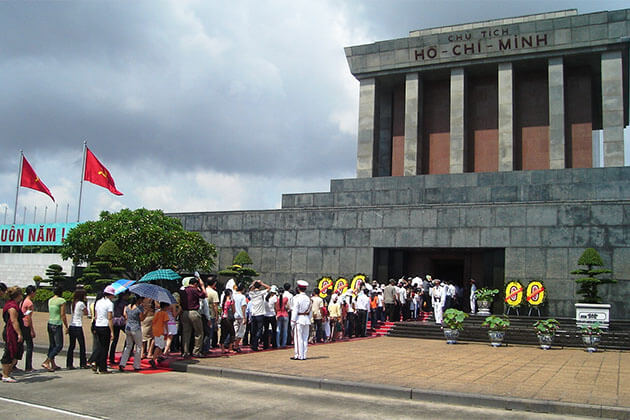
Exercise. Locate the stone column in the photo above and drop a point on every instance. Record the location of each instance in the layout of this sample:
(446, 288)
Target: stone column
(506, 117)
(413, 106)
(457, 121)
(556, 113)
(367, 111)
(612, 108)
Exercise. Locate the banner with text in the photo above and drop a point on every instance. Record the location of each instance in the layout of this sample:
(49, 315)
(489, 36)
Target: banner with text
(51, 234)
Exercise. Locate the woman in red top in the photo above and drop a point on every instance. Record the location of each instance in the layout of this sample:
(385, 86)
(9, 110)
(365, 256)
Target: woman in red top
(227, 322)
(12, 335)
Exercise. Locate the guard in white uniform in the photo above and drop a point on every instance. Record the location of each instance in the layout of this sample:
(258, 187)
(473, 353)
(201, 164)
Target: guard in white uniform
(438, 298)
(300, 320)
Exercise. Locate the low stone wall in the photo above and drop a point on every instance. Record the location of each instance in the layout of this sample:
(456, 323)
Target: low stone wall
(19, 269)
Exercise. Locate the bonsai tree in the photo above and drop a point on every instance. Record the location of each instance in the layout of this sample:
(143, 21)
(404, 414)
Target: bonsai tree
(546, 326)
(485, 294)
(55, 275)
(37, 280)
(496, 323)
(239, 269)
(588, 282)
(454, 319)
(103, 269)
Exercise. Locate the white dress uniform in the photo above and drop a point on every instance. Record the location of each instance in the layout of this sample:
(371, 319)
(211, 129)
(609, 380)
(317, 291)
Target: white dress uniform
(438, 297)
(301, 321)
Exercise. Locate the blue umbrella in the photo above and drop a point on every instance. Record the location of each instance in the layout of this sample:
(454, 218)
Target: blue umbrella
(161, 274)
(152, 291)
(122, 285)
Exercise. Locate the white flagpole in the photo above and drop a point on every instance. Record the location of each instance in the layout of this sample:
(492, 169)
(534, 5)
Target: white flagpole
(82, 176)
(17, 190)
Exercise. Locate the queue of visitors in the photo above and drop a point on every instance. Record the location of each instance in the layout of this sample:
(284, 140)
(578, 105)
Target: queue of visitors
(260, 316)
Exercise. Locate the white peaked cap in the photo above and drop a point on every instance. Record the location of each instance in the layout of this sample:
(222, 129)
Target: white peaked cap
(302, 283)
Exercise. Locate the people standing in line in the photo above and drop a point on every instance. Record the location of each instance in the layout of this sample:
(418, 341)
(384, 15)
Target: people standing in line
(147, 328)
(160, 325)
(204, 311)
(213, 305)
(104, 326)
(257, 293)
(174, 311)
(282, 317)
(351, 313)
(317, 304)
(56, 321)
(438, 297)
(191, 318)
(119, 324)
(227, 322)
(13, 333)
(363, 308)
(287, 293)
(27, 308)
(390, 298)
(75, 330)
(374, 317)
(92, 314)
(473, 297)
(334, 311)
(240, 316)
(270, 324)
(134, 315)
(301, 320)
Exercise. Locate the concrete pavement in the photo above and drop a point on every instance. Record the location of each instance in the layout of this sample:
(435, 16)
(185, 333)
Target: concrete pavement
(569, 381)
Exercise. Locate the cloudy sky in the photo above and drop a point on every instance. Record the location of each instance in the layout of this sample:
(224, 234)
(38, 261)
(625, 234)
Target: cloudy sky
(196, 105)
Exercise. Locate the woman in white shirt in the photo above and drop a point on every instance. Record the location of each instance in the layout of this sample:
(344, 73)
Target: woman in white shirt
(75, 330)
(270, 323)
(104, 327)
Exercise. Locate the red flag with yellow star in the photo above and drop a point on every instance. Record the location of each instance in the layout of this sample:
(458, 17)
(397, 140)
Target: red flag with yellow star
(98, 174)
(29, 179)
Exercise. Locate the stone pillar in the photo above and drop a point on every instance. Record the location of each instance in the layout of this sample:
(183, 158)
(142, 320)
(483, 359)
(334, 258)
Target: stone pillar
(556, 113)
(367, 111)
(506, 117)
(612, 108)
(457, 121)
(413, 106)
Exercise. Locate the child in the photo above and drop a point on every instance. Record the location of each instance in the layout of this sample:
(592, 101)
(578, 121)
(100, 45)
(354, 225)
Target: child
(160, 323)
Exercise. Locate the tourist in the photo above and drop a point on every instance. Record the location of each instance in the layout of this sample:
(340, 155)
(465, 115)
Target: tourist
(227, 322)
(301, 320)
(134, 315)
(13, 336)
(29, 333)
(287, 294)
(119, 323)
(75, 331)
(282, 317)
(191, 318)
(56, 319)
(173, 315)
(374, 317)
(334, 310)
(270, 324)
(240, 316)
(317, 304)
(104, 326)
(349, 302)
(213, 304)
(390, 299)
(257, 293)
(147, 328)
(362, 307)
(160, 323)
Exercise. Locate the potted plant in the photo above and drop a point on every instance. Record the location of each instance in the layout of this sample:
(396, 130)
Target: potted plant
(453, 322)
(591, 336)
(485, 296)
(545, 330)
(590, 307)
(497, 325)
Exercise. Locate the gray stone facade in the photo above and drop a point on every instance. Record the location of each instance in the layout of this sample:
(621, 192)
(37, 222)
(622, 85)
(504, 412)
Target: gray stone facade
(543, 220)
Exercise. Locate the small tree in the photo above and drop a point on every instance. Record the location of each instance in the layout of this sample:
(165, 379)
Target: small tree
(55, 275)
(239, 269)
(588, 284)
(103, 270)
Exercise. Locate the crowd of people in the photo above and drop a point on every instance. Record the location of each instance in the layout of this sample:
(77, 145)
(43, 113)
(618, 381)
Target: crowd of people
(260, 316)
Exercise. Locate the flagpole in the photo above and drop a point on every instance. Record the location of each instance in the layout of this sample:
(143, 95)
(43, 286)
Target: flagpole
(82, 176)
(17, 190)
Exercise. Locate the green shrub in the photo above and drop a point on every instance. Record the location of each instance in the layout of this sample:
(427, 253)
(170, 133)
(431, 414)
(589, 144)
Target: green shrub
(68, 295)
(42, 295)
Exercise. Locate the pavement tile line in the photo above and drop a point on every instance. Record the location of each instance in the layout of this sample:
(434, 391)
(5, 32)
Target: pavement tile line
(425, 395)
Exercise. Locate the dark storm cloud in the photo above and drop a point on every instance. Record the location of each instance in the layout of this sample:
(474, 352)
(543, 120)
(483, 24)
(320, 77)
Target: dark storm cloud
(117, 74)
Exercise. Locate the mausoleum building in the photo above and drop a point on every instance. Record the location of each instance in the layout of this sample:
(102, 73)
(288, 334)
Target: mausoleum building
(492, 150)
